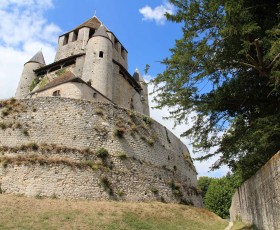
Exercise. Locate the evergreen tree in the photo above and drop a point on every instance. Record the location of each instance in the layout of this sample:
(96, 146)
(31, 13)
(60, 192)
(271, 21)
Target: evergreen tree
(226, 69)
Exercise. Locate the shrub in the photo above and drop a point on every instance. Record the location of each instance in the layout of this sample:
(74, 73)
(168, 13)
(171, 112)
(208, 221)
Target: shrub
(122, 155)
(34, 83)
(102, 153)
(119, 132)
(150, 142)
(5, 112)
(25, 132)
(148, 120)
(12, 100)
(92, 164)
(107, 185)
(99, 111)
(18, 125)
(33, 146)
(154, 190)
(3, 125)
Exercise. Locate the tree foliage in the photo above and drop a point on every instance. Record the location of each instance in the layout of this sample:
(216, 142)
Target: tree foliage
(203, 184)
(226, 69)
(219, 194)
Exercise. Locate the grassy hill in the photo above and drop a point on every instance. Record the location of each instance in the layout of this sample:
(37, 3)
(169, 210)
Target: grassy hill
(30, 213)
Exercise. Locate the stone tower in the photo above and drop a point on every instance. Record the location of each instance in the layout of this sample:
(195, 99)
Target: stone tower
(90, 64)
(98, 65)
(28, 75)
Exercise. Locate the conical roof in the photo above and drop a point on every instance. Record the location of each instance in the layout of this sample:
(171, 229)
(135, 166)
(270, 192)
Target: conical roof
(101, 32)
(137, 76)
(38, 58)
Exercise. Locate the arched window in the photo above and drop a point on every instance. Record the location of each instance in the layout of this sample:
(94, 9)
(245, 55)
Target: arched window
(101, 54)
(56, 93)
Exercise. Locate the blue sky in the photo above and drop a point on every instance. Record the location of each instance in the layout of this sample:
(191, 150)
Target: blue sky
(26, 26)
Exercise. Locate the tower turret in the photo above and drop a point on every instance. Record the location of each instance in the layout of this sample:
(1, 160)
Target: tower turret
(144, 93)
(98, 65)
(28, 74)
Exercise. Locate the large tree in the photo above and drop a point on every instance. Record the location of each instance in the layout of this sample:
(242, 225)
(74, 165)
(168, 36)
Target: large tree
(226, 69)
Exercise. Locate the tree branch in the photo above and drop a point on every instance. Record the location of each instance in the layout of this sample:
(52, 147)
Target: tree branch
(259, 53)
(273, 62)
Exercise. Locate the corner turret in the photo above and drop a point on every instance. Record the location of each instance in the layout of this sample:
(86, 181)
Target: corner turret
(28, 75)
(144, 93)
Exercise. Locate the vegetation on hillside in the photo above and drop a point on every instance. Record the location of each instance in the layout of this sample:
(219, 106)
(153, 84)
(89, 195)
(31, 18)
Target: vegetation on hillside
(226, 69)
(30, 213)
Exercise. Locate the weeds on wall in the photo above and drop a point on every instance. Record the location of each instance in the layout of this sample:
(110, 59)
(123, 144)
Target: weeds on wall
(122, 155)
(119, 132)
(92, 164)
(34, 83)
(147, 120)
(99, 111)
(154, 190)
(102, 153)
(25, 132)
(60, 72)
(176, 189)
(107, 185)
(11, 106)
(3, 125)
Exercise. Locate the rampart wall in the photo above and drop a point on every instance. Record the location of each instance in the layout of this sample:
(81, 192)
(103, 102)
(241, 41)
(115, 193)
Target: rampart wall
(48, 147)
(257, 200)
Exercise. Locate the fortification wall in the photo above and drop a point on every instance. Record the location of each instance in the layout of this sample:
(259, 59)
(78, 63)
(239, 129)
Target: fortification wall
(158, 165)
(257, 200)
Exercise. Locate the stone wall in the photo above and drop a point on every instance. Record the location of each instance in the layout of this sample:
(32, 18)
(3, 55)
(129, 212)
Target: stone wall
(257, 200)
(73, 90)
(158, 165)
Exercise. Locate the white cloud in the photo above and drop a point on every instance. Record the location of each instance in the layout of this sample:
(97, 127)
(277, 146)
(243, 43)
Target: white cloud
(23, 31)
(203, 168)
(157, 14)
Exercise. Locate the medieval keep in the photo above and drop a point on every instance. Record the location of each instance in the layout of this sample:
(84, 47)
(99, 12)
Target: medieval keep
(79, 128)
(90, 63)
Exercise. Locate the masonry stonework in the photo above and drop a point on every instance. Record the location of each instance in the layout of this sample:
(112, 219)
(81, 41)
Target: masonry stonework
(95, 58)
(48, 147)
(257, 200)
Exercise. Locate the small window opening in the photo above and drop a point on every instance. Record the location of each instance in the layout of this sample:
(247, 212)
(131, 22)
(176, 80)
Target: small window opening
(116, 44)
(94, 95)
(56, 93)
(65, 40)
(101, 54)
(75, 36)
(91, 32)
(123, 53)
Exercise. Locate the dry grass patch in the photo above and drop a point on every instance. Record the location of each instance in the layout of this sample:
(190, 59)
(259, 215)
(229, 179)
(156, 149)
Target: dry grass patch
(30, 213)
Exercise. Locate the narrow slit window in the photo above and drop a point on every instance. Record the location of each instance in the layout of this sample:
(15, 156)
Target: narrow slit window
(101, 54)
(91, 33)
(116, 44)
(65, 40)
(75, 36)
(56, 93)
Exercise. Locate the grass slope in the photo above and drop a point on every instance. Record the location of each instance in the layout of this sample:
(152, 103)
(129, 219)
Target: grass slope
(31, 213)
